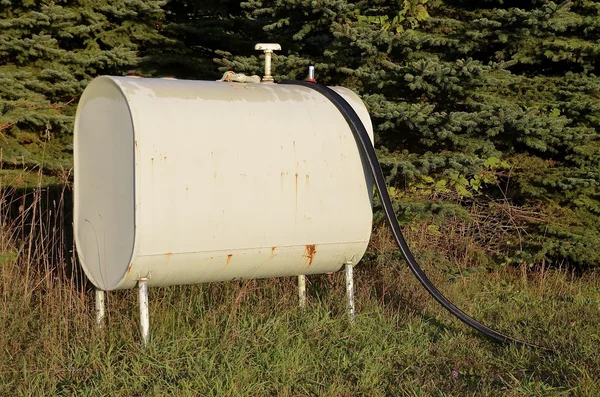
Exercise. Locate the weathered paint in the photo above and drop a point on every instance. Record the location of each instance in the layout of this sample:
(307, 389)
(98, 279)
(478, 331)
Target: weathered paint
(302, 296)
(100, 307)
(203, 170)
(349, 273)
(144, 310)
(268, 49)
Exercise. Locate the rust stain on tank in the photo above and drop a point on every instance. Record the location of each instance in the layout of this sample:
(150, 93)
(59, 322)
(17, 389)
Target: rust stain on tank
(168, 256)
(228, 259)
(309, 252)
(152, 160)
(273, 251)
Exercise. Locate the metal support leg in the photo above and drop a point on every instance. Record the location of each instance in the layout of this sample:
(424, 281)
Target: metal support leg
(350, 290)
(100, 311)
(302, 290)
(144, 313)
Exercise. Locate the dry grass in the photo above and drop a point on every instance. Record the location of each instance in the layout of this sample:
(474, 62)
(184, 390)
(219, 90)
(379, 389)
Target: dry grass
(249, 338)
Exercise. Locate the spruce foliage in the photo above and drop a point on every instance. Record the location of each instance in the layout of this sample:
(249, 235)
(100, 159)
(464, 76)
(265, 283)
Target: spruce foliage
(492, 105)
(196, 30)
(485, 111)
(49, 50)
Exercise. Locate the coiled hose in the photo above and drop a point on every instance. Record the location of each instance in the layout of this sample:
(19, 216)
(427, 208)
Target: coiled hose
(367, 150)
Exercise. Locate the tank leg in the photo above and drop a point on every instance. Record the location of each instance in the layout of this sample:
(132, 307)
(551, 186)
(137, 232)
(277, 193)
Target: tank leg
(349, 270)
(302, 290)
(144, 313)
(100, 308)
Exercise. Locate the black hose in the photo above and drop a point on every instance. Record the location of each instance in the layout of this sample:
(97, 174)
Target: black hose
(367, 149)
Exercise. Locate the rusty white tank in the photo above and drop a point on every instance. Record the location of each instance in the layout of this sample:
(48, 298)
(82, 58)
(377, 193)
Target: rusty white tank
(184, 182)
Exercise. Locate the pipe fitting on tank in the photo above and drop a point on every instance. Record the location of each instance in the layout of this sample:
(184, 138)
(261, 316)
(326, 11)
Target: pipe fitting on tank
(268, 49)
(233, 77)
(311, 74)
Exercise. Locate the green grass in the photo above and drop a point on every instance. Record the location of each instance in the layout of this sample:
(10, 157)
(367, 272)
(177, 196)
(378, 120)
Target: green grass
(250, 338)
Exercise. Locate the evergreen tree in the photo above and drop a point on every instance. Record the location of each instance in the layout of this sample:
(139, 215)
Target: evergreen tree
(348, 43)
(487, 111)
(484, 105)
(196, 29)
(49, 50)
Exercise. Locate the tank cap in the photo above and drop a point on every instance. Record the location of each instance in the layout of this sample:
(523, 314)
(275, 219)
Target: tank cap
(268, 49)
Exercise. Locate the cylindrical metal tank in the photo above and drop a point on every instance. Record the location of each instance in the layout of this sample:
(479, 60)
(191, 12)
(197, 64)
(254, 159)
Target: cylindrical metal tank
(184, 182)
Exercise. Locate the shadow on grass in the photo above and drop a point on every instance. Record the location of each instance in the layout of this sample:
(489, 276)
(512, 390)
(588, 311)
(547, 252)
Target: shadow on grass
(37, 223)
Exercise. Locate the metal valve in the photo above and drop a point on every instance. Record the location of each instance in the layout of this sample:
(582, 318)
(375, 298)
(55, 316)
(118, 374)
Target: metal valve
(268, 49)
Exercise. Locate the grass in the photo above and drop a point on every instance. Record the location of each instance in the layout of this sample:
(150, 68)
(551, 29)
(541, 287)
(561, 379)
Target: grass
(250, 338)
